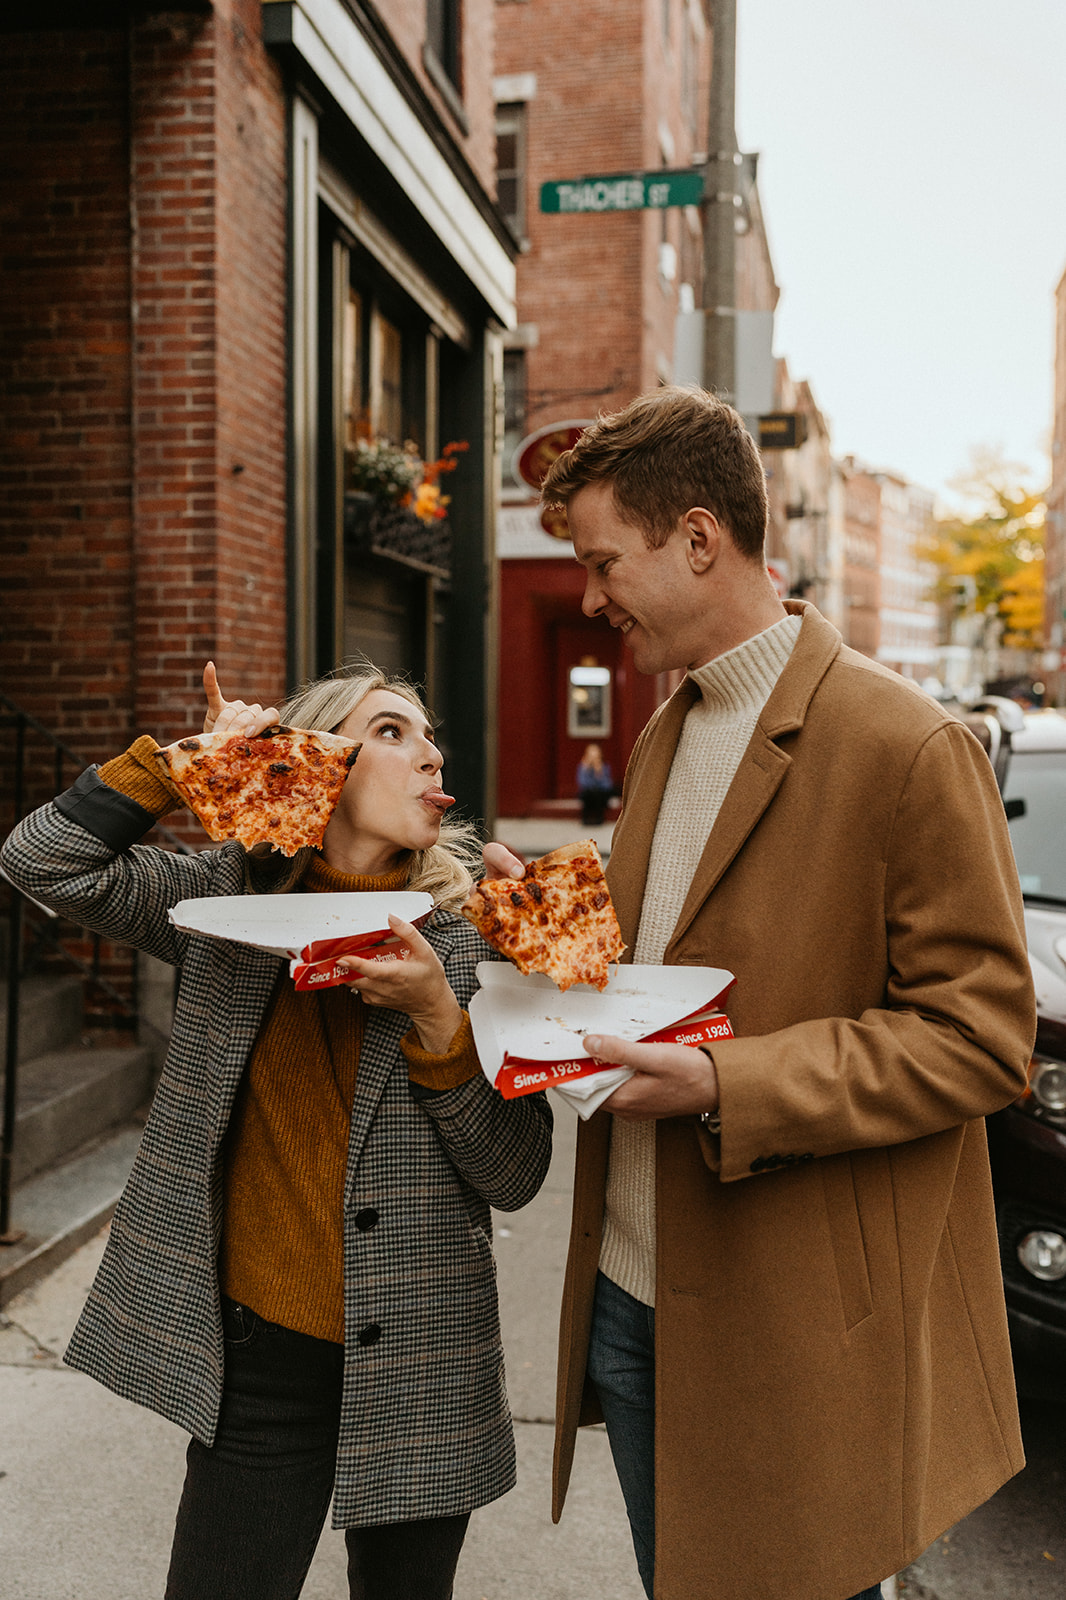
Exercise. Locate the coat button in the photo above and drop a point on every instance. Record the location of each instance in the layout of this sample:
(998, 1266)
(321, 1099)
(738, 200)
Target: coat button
(370, 1334)
(366, 1219)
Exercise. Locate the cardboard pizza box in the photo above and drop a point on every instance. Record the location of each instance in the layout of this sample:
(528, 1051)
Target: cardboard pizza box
(313, 930)
(528, 1033)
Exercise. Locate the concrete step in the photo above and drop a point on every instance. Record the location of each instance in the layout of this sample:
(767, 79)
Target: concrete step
(68, 1097)
(59, 1209)
(51, 1011)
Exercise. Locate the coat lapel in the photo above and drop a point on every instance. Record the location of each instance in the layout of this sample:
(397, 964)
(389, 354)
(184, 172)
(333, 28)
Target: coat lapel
(761, 771)
(763, 764)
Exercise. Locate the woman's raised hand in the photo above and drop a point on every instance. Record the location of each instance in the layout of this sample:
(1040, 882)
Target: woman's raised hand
(233, 716)
(415, 983)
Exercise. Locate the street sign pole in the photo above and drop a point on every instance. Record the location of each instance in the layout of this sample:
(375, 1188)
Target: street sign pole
(719, 211)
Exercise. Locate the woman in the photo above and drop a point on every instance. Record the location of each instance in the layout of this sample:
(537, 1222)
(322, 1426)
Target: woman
(300, 1270)
(594, 786)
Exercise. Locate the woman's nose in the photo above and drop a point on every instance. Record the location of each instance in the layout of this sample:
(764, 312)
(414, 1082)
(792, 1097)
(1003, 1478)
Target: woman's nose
(434, 760)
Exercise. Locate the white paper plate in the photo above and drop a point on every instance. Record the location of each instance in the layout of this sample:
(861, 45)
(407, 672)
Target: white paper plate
(524, 1014)
(288, 924)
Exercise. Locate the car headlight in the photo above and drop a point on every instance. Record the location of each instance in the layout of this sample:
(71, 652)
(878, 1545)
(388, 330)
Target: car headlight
(1047, 1085)
(1043, 1254)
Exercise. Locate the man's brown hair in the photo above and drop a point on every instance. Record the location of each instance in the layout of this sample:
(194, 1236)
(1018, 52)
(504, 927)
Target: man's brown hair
(664, 453)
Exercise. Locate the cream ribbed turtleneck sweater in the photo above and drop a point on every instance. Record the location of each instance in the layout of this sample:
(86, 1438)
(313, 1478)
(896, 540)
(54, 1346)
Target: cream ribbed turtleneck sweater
(733, 690)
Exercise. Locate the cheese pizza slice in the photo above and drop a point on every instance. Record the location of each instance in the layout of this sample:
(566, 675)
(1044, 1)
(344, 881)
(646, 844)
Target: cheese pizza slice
(280, 788)
(558, 919)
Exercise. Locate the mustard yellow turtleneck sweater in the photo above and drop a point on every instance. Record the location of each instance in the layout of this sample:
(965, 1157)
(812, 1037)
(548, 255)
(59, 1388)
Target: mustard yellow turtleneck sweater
(286, 1149)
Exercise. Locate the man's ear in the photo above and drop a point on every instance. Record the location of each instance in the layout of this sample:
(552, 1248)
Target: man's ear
(703, 534)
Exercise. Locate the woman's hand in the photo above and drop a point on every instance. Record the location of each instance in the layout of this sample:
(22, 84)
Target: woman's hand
(415, 983)
(233, 716)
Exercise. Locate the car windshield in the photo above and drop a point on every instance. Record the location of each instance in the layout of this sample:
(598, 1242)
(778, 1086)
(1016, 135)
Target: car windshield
(1039, 778)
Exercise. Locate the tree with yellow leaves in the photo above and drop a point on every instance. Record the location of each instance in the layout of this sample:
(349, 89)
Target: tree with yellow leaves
(991, 560)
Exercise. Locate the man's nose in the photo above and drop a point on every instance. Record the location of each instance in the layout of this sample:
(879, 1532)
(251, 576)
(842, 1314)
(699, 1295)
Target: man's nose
(594, 598)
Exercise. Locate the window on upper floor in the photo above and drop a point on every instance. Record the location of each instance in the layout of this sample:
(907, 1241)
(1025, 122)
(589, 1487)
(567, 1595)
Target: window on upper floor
(511, 165)
(444, 37)
(514, 411)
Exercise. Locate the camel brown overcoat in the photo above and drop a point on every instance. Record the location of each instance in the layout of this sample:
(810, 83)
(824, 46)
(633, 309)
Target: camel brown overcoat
(833, 1377)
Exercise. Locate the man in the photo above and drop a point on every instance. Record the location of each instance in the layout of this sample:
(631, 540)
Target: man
(783, 1290)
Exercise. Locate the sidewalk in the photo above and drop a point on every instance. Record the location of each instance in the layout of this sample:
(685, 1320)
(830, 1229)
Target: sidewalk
(89, 1483)
(535, 836)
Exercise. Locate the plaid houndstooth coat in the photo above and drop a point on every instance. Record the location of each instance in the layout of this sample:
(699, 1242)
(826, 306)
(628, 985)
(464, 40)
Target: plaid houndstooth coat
(425, 1426)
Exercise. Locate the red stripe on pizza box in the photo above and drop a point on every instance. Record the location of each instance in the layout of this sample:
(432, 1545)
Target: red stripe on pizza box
(354, 944)
(519, 1075)
(327, 974)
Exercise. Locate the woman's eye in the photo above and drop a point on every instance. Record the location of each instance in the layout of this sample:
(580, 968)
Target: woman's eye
(392, 729)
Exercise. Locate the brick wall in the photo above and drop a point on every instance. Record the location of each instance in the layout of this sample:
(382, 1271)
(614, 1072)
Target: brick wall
(607, 84)
(209, 371)
(65, 466)
(142, 480)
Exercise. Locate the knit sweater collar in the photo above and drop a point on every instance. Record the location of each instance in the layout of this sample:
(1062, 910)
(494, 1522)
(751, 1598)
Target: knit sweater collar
(321, 878)
(742, 679)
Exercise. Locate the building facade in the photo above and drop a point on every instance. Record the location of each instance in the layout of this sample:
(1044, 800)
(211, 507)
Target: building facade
(248, 247)
(908, 619)
(606, 88)
(862, 556)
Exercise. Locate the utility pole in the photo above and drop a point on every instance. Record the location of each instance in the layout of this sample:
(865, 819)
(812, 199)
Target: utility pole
(719, 209)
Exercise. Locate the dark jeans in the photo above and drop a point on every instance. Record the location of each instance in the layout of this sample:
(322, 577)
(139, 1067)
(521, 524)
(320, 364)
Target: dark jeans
(621, 1364)
(253, 1505)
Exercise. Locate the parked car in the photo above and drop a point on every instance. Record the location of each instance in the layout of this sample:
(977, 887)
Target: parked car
(1027, 1141)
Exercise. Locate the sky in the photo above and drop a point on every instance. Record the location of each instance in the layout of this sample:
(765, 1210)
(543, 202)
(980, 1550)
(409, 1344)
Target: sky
(912, 172)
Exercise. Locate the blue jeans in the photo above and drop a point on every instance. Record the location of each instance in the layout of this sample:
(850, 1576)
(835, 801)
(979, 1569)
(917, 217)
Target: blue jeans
(253, 1504)
(621, 1365)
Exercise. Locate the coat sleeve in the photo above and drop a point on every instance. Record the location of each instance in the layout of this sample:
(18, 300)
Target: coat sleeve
(501, 1148)
(78, 856)
(952, 1039)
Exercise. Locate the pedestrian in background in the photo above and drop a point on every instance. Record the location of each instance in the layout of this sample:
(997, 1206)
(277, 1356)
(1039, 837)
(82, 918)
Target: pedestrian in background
(299, 1271)
(595, 785)
(783, 1293)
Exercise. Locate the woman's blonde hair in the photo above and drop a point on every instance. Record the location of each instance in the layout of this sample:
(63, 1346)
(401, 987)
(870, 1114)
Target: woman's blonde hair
(445, 871)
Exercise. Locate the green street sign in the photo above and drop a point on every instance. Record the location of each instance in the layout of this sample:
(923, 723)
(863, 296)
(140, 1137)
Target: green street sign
(624, 191)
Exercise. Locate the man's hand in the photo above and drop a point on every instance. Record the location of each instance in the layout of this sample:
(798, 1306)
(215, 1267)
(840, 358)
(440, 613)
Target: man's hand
(669, 1080)
(233, 716)
(500, 863)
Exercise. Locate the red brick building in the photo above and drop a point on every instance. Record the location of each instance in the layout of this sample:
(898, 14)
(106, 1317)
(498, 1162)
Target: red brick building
(238, 240)
(614, 86)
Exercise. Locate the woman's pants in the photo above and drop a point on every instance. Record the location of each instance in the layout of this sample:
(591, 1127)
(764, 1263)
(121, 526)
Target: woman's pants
(621, 1364)
(253, 1505)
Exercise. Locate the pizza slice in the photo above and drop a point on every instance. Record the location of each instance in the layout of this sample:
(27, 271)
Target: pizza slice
(280, 788)
(558, 919)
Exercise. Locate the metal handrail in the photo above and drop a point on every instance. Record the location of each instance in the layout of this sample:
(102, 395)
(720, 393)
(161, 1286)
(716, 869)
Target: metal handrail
(12, 716)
